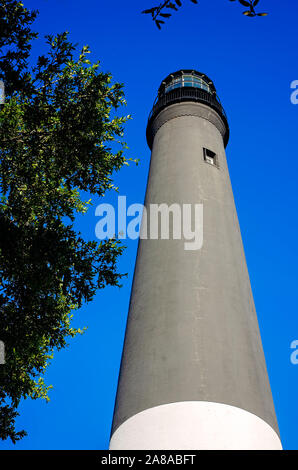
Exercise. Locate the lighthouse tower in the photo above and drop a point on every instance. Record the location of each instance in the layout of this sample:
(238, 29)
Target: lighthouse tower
(193, 373)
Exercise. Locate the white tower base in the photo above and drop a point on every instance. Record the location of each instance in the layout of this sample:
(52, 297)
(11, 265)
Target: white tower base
(195, 425)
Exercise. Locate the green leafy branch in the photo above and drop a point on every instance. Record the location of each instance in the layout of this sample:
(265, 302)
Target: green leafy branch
(60, 136)
(160, 12)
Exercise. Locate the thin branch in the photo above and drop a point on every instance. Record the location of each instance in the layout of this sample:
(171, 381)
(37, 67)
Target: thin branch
(158, 12)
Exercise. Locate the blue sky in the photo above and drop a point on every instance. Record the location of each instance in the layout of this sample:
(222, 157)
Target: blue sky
(252, 62)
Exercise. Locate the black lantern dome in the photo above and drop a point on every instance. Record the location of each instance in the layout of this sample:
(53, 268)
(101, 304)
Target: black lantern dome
(187, 85)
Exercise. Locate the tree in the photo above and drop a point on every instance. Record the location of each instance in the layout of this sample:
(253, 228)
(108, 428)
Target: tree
(60, 136)
(161, 12)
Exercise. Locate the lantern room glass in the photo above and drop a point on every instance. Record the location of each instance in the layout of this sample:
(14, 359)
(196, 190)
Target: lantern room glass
(187, 80)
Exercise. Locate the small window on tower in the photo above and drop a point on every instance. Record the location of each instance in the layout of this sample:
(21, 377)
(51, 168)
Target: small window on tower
(210, 157)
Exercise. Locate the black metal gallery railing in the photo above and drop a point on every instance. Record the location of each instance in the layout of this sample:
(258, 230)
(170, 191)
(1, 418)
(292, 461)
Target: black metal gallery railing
(187, 94)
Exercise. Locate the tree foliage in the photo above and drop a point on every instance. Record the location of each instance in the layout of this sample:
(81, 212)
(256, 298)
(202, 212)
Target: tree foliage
(60, 135)
(161, 12)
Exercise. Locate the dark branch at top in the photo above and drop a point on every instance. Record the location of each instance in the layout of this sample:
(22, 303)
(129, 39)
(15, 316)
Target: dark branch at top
(161, 12)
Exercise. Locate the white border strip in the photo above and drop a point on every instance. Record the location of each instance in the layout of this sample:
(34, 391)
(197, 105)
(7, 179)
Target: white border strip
(195, 425)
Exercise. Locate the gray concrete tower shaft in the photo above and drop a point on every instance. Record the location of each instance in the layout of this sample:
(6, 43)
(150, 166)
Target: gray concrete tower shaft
(193, 373)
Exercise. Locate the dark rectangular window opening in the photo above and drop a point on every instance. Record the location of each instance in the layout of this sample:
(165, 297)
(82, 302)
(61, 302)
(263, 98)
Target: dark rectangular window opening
(210, 157)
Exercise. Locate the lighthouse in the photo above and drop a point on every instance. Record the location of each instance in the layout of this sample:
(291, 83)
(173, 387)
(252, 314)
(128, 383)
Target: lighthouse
(193, 373)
